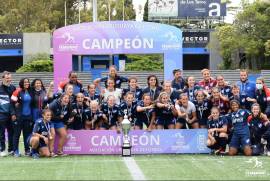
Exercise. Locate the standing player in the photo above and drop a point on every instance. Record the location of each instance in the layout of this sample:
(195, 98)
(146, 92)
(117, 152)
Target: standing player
(61, 113)
(153, 87)
(7, 113)
(118, 80)
(133, 87)
(41, 136)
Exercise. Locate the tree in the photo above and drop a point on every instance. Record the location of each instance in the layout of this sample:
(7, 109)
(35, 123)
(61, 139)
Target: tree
(145, 62)
(17, 16)
(38, 63)
(145, 14)
(114, 10)
(245, 42)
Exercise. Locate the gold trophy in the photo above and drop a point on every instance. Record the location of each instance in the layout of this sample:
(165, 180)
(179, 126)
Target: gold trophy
(126, 147)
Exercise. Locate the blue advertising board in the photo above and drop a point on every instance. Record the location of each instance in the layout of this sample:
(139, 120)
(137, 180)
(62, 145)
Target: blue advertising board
(186, 8)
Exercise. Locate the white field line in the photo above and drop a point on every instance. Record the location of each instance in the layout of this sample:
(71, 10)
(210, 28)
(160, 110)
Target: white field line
(133, 168)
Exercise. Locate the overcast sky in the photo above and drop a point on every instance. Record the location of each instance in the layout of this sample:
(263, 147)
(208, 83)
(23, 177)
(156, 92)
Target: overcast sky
(230, 16)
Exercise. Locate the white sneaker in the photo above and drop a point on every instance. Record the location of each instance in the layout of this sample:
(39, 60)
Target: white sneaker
(3, 154)
(268, 153)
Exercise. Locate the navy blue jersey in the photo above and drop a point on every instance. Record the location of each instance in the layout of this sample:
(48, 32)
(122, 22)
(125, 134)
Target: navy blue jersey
(191, 92)
(257, 128)
(178, 84)
(219, 123)
(203, 109)
(59, 110)
(174, 96)
(239, 120)
(223, 106)
(145, 116)
(153, 93)
(112, 113)
(42, 128)
(118, 81)
(95, 97)
(261, 99)
(78, 112)
(95, 117)
(137, 93)
(226, 91)
(242, 99)
(164, 113)
(129, 109)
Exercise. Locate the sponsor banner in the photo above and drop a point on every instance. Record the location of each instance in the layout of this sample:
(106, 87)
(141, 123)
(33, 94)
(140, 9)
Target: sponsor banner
(186, 8)
(195, 39)
(11, 41)
(143, 142)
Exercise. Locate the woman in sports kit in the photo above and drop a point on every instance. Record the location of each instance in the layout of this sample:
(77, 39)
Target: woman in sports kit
(61, 110)
(191, 88)
(95, 119)
(203, 108)
(133, 87)
(186, 113)
(128, 106)
(41, 136)
(259, 127)
(240, 133)
(166, 112)
(112, 112)
(153, 88)
(217, 131)
(145, 113)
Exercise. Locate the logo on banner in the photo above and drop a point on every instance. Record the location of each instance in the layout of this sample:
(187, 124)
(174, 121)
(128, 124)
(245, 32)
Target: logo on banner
(201, 141)
(173, 41)
(179, 142)
(69, 42)
(71, 144)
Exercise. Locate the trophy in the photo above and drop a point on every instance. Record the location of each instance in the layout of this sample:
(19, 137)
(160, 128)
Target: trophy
(126, 147)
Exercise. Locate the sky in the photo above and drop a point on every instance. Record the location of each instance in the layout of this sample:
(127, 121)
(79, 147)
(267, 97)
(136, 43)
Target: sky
(231, 15)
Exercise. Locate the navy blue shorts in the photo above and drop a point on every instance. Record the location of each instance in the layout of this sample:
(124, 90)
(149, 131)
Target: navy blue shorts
(57, 125)
(202, 122)
(166, 122)
(240, 139)
(139, 122)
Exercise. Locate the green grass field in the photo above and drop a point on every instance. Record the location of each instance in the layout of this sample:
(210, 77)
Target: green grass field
(154, 167)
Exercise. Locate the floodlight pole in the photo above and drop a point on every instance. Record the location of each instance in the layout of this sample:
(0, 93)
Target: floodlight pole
(95, 15)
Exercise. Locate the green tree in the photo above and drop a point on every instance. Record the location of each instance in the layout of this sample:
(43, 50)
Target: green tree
(145, 14)
(248, 36)
(114, 10)
(17, 16)
(38, 63)
(145, 62)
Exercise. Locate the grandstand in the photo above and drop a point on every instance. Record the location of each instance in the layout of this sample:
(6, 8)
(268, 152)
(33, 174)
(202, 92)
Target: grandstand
(230, 76)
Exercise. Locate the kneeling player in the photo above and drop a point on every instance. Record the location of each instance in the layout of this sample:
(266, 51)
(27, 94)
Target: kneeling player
(240, 133)
(258, 126)
(217, 131)
(41, 136)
